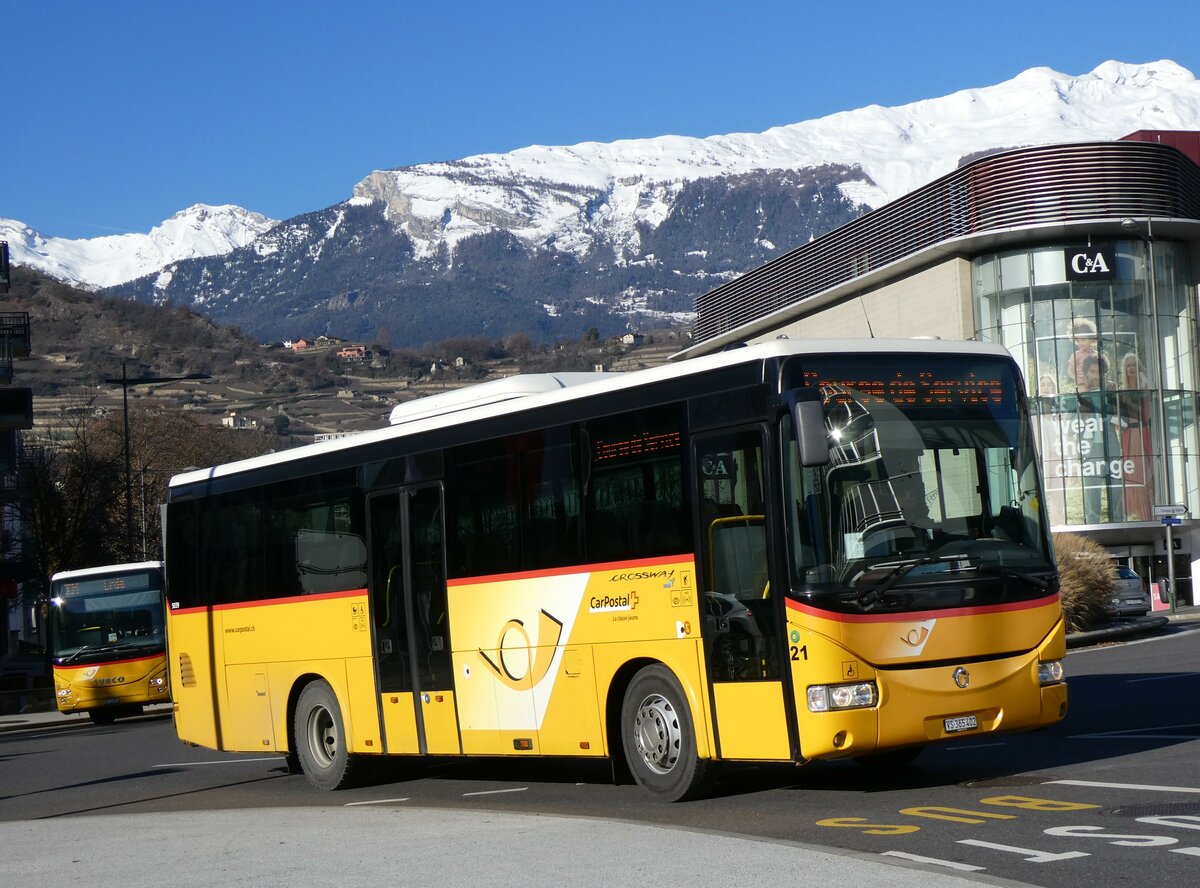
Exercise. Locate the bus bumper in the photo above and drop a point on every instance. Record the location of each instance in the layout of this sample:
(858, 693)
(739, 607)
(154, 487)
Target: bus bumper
(944, 702)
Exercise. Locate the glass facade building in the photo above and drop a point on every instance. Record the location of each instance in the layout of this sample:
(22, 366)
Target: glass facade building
(1103, 373)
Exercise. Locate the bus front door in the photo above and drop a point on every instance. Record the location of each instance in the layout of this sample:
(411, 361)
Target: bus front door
(412, 642)
(741, 630)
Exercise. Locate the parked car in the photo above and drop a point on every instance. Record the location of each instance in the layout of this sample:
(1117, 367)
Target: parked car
(1129, 596)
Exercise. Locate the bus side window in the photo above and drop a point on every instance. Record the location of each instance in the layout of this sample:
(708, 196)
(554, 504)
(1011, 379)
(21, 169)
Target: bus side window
(636, 499)
(730, 482)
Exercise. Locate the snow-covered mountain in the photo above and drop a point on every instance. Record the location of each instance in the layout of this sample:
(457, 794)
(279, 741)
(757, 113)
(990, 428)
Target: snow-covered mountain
(572, 194)
(549, 240)
(114, 259)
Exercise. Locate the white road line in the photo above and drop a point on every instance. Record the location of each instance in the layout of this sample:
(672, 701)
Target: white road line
(1149, 734)
(1162, 677)
(374, 802)
(274, 758)
(495, 791)
(1132, 736)
(1141, 786)
(1031, 855)
(916, 858)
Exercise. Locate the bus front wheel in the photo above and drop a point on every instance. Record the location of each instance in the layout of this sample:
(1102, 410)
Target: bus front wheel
(658, 737)
(321, 744)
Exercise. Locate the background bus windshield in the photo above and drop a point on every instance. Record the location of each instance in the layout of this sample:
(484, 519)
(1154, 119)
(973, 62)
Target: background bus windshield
(931, 495)
(107, 614)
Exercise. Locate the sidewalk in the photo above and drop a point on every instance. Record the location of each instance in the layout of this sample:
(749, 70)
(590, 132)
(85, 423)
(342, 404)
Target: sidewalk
(396, 845)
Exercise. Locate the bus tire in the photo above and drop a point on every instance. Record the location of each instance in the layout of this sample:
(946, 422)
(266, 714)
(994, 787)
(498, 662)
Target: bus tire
(658, 737)
(321, 743)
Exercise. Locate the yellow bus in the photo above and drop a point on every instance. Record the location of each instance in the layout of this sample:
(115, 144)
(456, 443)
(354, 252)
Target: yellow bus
(785, 552)
(108, 640)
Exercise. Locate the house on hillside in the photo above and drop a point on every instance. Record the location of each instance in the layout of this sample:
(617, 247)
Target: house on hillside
(355, 353)
(237, 420)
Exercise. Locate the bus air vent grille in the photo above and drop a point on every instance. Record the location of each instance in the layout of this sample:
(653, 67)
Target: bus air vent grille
(187, 674)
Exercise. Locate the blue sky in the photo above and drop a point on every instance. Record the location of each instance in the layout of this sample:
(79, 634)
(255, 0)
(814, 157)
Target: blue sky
(119, 114)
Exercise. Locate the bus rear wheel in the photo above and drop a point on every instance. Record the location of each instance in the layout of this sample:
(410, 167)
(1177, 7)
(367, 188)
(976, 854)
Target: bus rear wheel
(321, 743)
(659, 739)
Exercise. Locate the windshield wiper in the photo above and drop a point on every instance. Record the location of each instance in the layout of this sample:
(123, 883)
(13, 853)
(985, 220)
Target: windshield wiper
(868, 597)
(99, 648)
(1008, 573)
(87, 648)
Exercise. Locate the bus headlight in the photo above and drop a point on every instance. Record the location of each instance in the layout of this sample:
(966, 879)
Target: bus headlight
(64, 693)
(1050, 672)
(157, 682)
(826, 698)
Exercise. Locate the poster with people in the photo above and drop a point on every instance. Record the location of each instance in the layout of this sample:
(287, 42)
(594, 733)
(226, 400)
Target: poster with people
(1095, 427)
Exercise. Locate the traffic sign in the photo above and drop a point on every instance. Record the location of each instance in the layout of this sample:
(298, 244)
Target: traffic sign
(1169, 511)
(1169, 520)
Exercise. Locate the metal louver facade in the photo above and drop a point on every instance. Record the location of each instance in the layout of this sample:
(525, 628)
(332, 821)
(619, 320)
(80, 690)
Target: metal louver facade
(1017, 189)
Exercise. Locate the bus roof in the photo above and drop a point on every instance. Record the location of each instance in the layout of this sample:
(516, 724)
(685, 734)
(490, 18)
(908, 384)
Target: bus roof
(484, 393)
(105, 569)
(556, 390)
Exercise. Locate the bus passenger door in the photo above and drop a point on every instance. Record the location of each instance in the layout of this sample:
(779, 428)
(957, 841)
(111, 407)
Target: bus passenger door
(741, 625)
(412, 642)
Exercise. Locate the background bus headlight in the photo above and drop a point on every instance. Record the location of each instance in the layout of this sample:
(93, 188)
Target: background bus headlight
(826, 698)
(1050, 672)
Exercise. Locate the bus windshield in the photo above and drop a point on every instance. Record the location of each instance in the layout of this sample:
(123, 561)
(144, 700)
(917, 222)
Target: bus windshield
(931, 496)
(105, 617)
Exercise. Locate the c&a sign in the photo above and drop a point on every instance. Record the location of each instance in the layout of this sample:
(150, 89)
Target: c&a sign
(1098, 263)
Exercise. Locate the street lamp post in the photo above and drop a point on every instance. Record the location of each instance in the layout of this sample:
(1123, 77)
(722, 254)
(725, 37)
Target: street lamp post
(125, 382)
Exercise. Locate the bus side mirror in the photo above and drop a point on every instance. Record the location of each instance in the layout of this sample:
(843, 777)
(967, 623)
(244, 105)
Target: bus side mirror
(808, 416)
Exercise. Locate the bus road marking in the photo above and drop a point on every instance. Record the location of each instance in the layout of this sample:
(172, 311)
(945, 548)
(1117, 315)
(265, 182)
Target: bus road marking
(374, 802)
(917, 858)
(1030, 855)
(495, 791)
(1138, 786)
(1136, 735)
(1161, 677)
(221, 762)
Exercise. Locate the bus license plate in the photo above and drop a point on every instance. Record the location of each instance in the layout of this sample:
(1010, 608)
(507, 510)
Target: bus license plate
(962, 723)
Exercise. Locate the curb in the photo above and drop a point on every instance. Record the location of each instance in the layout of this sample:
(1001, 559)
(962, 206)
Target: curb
(1124, 629)
(40, 721)
(53, 720)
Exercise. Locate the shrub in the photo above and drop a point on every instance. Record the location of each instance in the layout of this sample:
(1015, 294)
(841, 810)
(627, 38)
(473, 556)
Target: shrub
(1087, 574)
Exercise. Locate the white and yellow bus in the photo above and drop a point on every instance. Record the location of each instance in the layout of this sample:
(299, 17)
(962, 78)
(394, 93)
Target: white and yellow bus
(785, 552)
(108, 640)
